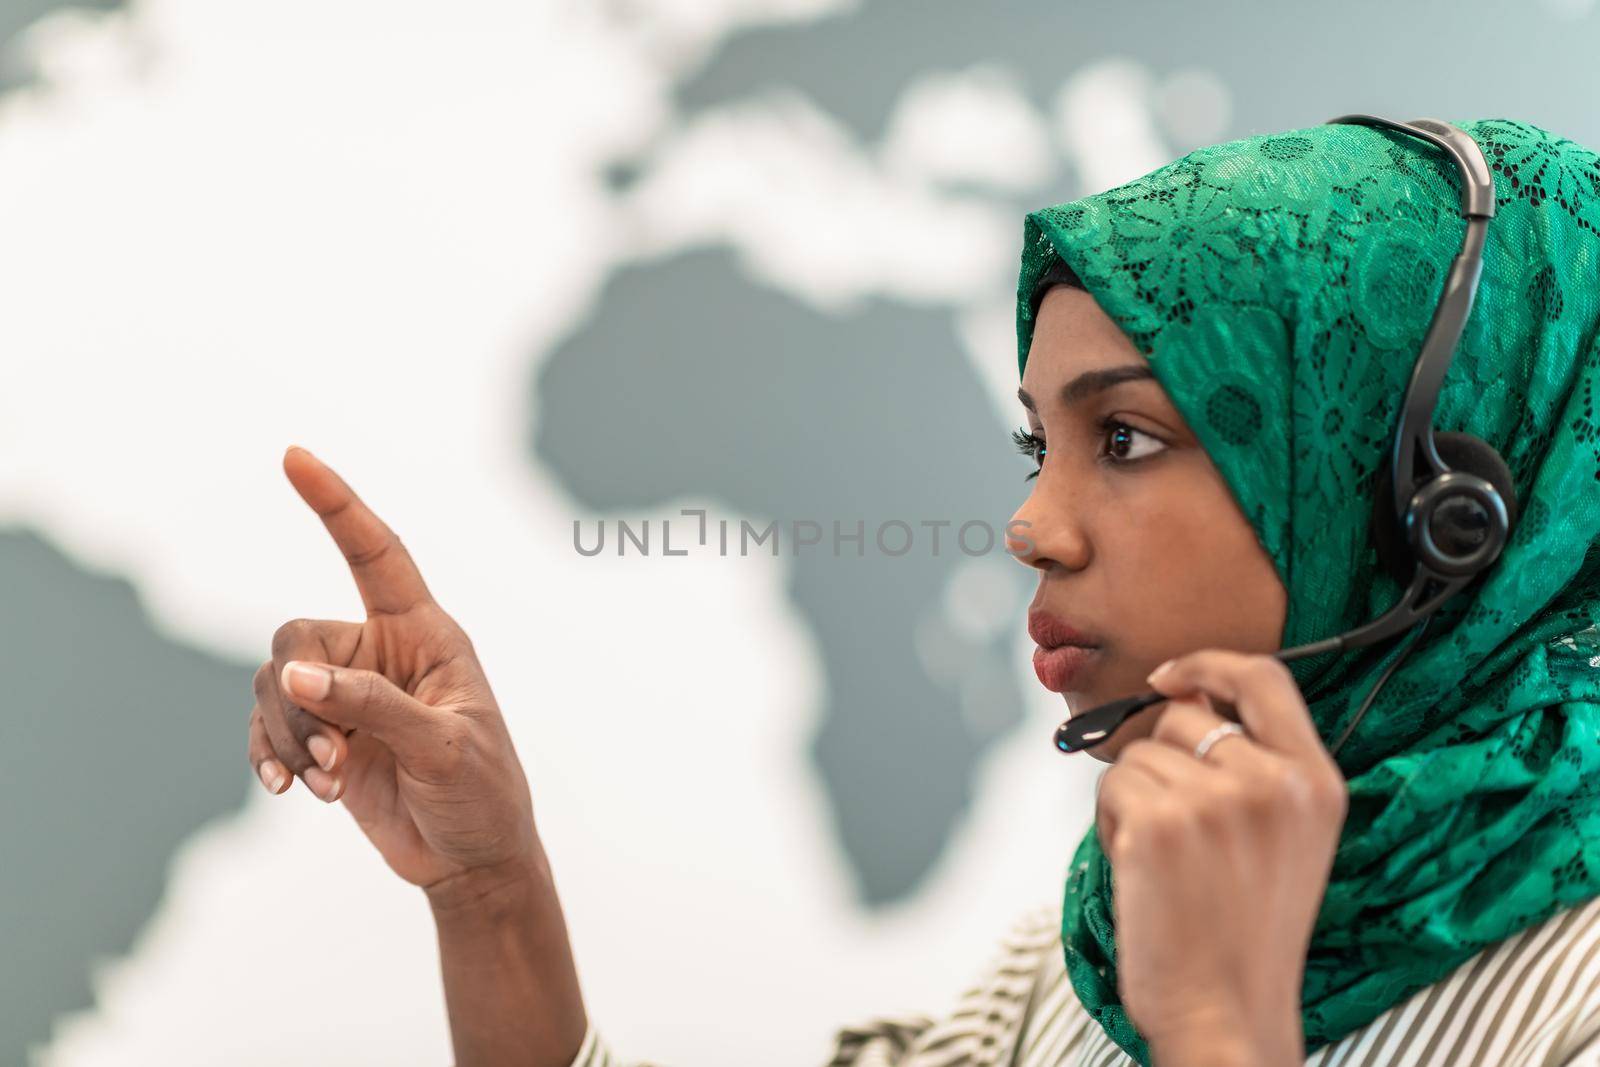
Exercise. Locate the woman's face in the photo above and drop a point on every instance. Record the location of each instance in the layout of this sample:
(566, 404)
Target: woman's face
(1138, 543)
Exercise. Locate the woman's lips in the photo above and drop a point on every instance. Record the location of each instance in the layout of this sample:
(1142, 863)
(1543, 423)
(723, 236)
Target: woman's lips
(1058, 668)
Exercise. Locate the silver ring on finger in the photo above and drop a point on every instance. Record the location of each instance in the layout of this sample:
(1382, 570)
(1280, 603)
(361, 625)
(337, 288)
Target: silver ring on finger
(1216, 733)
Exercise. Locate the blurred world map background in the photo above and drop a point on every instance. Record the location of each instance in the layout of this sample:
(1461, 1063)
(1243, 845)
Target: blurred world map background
(511, 265)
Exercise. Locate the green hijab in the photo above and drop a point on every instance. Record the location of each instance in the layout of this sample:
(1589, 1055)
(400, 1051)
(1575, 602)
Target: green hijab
(1280, 287)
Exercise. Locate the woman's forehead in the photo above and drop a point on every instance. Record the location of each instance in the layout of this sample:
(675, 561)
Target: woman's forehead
(1071, 335)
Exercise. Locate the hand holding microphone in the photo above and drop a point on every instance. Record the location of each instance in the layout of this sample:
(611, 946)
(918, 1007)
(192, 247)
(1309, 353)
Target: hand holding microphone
(1221, 858)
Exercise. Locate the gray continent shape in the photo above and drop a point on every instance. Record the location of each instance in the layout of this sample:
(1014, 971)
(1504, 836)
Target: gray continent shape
(117, 745)
(689, 381)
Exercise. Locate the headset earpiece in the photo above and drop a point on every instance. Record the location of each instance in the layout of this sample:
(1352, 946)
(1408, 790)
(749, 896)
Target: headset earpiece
(1459, 522)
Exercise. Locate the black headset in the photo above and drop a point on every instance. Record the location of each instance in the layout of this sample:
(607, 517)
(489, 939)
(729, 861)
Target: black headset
(1445, 505)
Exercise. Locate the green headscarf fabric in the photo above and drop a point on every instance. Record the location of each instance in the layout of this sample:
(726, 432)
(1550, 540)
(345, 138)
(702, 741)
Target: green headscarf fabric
(1280, 287)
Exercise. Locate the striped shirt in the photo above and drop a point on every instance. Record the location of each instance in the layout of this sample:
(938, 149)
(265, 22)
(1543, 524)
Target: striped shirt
(1532, 1000)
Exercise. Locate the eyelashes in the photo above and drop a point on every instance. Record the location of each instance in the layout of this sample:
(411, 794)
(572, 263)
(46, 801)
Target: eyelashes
(1032, 445)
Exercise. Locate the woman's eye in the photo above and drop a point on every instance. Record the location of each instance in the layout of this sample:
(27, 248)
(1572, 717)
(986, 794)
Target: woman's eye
(1031, 445)
(1122, 442)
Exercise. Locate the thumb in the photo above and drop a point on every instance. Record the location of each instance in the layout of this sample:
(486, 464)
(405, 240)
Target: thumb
(415, 732)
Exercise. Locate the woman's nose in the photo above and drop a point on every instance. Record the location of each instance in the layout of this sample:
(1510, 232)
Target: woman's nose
(1044, 532)
(1019, 538)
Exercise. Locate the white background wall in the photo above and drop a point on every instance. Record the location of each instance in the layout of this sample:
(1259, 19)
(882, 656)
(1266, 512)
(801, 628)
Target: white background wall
(305, 210)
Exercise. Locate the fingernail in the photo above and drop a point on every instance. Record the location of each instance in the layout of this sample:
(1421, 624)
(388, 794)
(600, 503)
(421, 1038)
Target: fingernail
(321, 750)
(272, 775)
(1155, 675)
(323, 784)
(306, 680)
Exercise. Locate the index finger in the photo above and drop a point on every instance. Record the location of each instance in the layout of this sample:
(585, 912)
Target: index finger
(1268, 701)
(385, 573)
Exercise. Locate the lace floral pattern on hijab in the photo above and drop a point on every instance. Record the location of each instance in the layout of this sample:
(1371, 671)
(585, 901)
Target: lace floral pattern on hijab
(1280, 287)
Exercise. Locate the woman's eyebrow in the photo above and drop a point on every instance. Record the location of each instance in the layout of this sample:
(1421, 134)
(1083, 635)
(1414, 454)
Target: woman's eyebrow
(1093, 381)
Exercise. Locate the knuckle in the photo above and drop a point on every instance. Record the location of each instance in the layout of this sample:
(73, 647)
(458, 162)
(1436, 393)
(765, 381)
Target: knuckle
(1201, 663)
(367, 557)
(1268, 670)
(1330, 793)
(291, 635)
(1169, 726)
(1228, 797)
(1257, 793)
(1121, 846)
(1260, 803)
(1136, 753)
(1164, 823)
(1292, 786)
(264, 682)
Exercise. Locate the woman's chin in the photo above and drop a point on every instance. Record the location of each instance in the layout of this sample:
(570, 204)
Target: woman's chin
(1079, 701)
(1084, 700)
